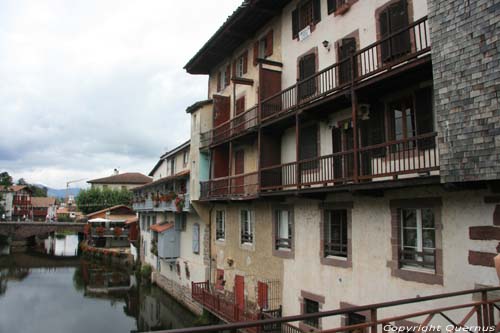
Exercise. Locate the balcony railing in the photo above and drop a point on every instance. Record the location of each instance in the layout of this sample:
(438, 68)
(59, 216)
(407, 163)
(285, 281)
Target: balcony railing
(240, 124)
(382, 56)
(240, 186)
(473, 310)
(408, 157)
(205, 139)
(161, 206)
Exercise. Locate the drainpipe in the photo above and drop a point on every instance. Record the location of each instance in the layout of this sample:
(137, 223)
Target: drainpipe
(210, 243)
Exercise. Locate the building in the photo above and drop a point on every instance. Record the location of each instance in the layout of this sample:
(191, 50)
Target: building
(124, 181)
(352, 155)
(112, 227)
(172, 235)
(16, 200)
(43, 208)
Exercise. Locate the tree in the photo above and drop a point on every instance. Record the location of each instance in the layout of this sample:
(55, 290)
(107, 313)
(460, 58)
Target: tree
(94, 199)
(38, 191)
(5, 179)
(21, 181)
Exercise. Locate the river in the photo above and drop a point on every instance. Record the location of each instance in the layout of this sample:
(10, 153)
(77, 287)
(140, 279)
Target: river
(64, 293)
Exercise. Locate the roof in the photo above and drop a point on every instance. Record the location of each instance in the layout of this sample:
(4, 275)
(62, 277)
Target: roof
(161, 227)
(123, 178)
(240, 26)
(14, 188)
(110, 209)
(163, 180)
(169, 154)
(42, 201)
(198, 105)
(134, 220)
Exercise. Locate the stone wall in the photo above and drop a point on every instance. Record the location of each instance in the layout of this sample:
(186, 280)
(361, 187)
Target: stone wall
(181, 293)
(466, 65)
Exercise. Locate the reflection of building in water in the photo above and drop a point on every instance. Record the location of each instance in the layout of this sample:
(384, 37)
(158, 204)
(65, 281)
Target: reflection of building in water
(111, 227)
(103, 280)
(62, 245)
(160, 311)
(11, 274)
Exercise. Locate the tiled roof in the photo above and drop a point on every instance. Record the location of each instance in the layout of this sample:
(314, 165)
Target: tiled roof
(13, 188)
(198, 105)
(163, 180)
(161, 227)
(110, 209)
(123, 178)
(43, 202)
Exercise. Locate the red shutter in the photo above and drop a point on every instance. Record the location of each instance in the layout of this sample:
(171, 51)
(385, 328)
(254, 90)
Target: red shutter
(245, 62)
(269, 43)
(255, 52)
(228, 74)
(262, 295)
(219, 78)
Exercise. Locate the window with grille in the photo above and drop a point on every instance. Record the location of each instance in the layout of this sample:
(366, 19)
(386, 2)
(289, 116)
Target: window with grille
(307, 13)
(246, 227)
(418, 238)
(335, 233)
(220, 225)
(283, 220)
(311, 306)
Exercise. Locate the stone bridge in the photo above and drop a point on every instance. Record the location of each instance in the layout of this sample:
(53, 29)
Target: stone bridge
(23, 230)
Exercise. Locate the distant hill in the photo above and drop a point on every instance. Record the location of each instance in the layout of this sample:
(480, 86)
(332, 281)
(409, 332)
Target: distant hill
(62, 192)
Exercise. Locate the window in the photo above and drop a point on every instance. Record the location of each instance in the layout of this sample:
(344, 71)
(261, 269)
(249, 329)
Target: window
(391, 20)
(336, 233)
(196, 238)
(347, 47)
(402, 119)
(185, 158)
(307, 68)
(306, 14)
(263, 48)
(311, 306)
(308, 147)
(223, 77)
(334, 5)
(180, 222)
(241, 66)
(418, 238)
(220, 225)
(172, 166)
(246, 227)
(283, 220)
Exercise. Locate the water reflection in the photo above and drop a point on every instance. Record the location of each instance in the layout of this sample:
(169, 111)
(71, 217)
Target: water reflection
(61, 245)
(73, 295)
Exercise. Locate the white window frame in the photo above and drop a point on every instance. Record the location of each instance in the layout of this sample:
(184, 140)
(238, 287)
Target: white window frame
(289, 228)
(222, 222)
(239, 66)
(419, 230)
(249, 228)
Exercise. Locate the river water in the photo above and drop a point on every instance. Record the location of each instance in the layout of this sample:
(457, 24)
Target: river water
(63, 293)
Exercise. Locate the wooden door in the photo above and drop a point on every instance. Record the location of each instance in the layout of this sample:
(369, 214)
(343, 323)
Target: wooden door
(394, 19)
(307, 68)
(222, 109)
(262, 297)
(346, 49)
(343, 142)
(239, 169)
(239, 292)
(270, 85)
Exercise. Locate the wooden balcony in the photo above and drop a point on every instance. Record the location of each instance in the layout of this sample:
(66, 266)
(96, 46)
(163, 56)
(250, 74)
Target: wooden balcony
(409, 158)
(238, 187)
(239, 125)
(384, 56)
(475, 310)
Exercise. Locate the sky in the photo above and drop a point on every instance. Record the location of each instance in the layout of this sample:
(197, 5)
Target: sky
(89, 86)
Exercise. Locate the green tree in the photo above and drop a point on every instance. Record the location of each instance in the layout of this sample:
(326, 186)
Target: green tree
(21, 181)
(38, 191)
(5, 179)
(94, 199)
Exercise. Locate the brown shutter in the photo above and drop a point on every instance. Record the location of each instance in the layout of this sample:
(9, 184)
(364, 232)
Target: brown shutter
(295, 24)
(255, 52)
(219, 79)
(385, 46)
(308, 146)
(269, 43)
(245, 62)
(332, 6)
(347, 47)
(234, 68)
(400, 43)
(228, 74)
(316, 11)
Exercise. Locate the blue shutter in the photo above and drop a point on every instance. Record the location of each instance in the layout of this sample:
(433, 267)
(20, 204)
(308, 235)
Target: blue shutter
(196, 238)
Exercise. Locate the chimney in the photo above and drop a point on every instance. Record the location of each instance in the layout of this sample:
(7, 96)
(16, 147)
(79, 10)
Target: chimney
(115, 172)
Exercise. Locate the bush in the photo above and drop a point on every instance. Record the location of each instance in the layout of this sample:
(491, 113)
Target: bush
(94, 199)
(146, 271)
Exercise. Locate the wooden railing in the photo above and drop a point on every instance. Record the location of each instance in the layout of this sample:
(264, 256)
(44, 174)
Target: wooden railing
(239, 186)
(473, 310)
(414, 155)
(381, 56)
(238, 125)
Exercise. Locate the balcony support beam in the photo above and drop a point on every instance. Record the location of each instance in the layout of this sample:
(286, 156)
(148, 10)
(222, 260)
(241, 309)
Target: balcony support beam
(297, 150)
(354, 99)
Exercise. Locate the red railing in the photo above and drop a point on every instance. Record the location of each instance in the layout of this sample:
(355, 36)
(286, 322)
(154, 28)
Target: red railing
(414, 155)
(238, 125)
(240, 186)
(473, 310)
(382, 56)
(220, 305)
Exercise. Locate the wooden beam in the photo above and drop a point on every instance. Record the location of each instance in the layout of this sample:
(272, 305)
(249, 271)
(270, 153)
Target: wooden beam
(484, 233)
(482, 259)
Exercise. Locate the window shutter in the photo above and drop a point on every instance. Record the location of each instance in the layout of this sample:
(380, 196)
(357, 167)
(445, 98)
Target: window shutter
(219, 78)
(316, 11)
(332, 6)
(269, 43)
(234, 69)
(255, 52)
(196, 238)
(228, 74)
(425, 120)
(398, 21)
(309, 142)
(245, 62)
(295, 24)
(384, 32)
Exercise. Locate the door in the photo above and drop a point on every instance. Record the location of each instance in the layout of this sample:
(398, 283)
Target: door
(394, 20)
(262, 297)
(239, 169)
(222, 109)
(239, 292)
(307, 68)
(346, 49)
(343, 142)
(270, 85)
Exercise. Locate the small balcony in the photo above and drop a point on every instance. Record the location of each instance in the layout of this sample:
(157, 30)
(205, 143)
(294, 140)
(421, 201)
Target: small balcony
(238, 187)
(400, 159)
(237, 126)
(179, 204)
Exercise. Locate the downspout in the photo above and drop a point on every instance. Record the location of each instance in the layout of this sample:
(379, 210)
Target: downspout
(210, 243)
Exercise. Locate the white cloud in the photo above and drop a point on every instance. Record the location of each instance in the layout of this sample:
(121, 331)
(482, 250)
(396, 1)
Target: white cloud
(93, 85)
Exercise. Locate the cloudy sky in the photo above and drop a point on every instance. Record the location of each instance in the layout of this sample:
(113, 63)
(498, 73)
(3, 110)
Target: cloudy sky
(89, 86)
